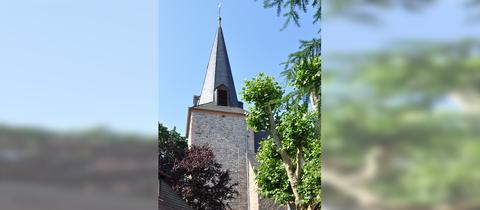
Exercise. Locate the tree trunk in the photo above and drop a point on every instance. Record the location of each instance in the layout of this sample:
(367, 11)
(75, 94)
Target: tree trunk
(315, 100)
(286, 160)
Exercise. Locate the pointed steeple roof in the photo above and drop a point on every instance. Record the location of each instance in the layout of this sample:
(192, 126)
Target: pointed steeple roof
(219, 74)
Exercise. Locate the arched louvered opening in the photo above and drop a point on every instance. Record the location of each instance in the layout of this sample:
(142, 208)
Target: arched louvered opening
(222, 96)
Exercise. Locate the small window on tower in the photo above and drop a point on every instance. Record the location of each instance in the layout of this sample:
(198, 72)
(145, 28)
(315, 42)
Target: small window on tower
(222, 97)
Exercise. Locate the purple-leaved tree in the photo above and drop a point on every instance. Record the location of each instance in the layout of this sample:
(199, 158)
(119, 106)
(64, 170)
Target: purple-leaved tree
(193, 172)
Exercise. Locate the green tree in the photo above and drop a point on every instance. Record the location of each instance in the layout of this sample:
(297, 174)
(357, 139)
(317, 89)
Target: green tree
(402, 128)
(289, 159)
(171, 148)
(289, 169)
(302, 68)
(293, 8)
(389, 147)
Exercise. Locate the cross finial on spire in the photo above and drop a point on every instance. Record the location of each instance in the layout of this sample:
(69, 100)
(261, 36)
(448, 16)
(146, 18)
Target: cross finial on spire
(219, 14)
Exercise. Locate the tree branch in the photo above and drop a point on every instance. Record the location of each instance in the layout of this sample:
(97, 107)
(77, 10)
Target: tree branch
(354, 184)
(342, 183)
(298, 169)
(286, 160)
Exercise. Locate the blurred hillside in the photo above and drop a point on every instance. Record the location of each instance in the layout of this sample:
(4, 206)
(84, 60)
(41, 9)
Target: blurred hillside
(83, 162)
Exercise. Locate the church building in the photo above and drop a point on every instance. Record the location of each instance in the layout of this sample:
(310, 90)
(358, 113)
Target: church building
(217, 118)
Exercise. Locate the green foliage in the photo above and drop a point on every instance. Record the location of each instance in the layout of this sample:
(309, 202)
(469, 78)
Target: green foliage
(303, 72)
(404, 101)
(271, 176)
(311, 179)
(367, 11)
(362, 10)
(171, 147)
(257, 119)
(293, 7)
(305, 75)
(309, 49)
(295, 126)
(263, 91)
(432, 58)
(165, 136)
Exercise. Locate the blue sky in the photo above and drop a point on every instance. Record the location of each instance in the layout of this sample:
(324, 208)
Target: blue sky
(444, 21)
(254, 44)
(127, 64)
(78, 64)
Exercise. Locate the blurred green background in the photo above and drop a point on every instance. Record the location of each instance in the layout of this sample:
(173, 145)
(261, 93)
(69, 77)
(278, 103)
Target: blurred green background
(401, 105)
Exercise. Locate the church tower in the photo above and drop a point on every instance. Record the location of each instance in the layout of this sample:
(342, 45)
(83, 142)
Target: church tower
(217, 118)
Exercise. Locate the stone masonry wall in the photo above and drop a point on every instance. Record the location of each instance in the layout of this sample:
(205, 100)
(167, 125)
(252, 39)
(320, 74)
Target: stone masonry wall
(227, 134)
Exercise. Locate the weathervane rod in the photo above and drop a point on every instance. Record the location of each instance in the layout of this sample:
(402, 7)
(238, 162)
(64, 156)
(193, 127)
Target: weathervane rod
(219, 9)
(219, 14)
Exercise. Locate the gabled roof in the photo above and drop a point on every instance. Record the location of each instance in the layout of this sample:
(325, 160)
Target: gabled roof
(218, 72)
(167, 198)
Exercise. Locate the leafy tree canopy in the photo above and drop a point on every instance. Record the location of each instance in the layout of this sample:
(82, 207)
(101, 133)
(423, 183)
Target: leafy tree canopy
(289, 159)
(396, 107)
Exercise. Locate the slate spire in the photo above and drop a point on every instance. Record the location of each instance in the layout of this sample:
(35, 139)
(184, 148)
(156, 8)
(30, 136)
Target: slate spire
(218, 87)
